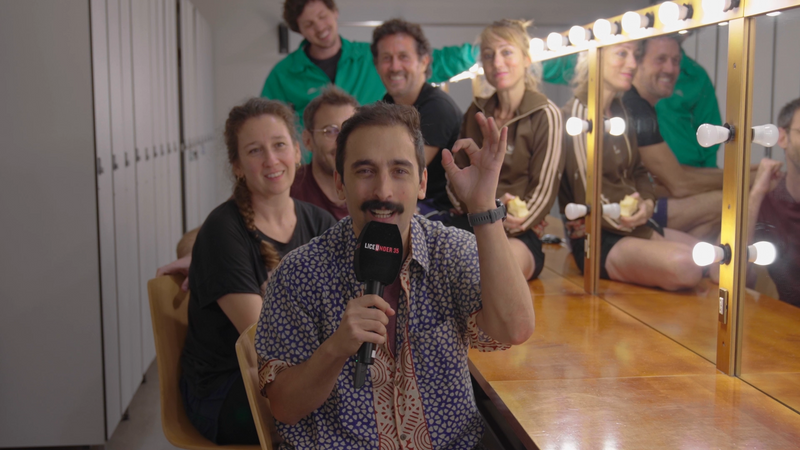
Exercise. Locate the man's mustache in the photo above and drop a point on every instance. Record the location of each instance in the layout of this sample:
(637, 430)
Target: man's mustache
(377, 204)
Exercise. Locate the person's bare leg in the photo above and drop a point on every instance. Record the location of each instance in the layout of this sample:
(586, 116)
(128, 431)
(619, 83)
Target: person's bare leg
(689, 213)
(523, 256)
(656, 262)
(673, 235)
(708, 232)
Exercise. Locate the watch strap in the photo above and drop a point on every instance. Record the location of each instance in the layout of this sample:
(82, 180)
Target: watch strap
(485, 217)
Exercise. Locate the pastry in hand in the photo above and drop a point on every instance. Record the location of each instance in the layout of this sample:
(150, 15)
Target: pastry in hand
(517, 208)
(628, 206)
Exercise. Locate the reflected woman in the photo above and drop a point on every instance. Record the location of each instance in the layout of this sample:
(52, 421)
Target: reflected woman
(633, 248)
(533, 162)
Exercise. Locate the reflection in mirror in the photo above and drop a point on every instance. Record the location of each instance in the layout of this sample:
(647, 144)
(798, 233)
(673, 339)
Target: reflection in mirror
(557, 77)
(668, 186)
(771, 311)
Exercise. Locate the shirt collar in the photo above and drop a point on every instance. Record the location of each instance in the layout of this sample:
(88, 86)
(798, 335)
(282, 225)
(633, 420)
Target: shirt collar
(300, 60)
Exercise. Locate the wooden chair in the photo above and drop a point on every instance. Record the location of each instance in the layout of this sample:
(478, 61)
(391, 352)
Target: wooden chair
(169, 311)
(259, 405)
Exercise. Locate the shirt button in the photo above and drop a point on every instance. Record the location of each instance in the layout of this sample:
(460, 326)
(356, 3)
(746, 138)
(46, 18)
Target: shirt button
(403, 437)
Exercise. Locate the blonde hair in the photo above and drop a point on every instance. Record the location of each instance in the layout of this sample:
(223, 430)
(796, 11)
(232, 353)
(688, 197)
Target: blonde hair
(580, 79)
(515, 32)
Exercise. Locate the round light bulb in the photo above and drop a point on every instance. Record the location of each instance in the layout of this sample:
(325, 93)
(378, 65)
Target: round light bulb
(765, 135)
(536, 46)
(602, 29)
(631, 22)
(765, 253)
(575, 211)
(705, 254)
(774, 13)
(555, 41)
(615, 126)
(708, 135)
(576, 126)
(578, 35)
(669, 13)
(612, 210)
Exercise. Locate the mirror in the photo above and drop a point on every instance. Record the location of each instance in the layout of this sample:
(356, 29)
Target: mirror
(557, 74)
(679, 83)
(771, 309)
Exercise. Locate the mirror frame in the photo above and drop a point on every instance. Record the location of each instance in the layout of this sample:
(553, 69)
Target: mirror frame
(738, 113)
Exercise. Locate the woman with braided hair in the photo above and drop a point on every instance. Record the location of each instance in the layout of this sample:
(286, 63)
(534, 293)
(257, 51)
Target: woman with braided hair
(240, 242)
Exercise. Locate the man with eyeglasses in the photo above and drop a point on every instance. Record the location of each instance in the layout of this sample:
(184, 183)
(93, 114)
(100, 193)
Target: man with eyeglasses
(323, 118)
(774, 207)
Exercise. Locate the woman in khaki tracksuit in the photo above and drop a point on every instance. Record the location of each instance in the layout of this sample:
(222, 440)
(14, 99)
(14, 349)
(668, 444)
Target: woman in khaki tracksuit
(633, 249)
(533, 163)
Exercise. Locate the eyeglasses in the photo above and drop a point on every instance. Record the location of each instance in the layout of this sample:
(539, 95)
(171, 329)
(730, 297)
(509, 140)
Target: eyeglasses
(330, 131)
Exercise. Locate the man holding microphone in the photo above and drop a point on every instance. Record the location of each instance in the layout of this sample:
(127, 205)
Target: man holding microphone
(455, 291)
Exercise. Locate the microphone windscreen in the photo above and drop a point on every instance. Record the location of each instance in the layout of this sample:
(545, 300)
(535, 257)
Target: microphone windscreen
(379, 253)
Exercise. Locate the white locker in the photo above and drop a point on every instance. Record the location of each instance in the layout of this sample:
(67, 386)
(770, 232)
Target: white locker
(173, 97)
(129, 332)
(145, 174)
(105, 204)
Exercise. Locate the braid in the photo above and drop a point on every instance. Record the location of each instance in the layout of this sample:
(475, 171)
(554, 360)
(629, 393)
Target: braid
(242, 196)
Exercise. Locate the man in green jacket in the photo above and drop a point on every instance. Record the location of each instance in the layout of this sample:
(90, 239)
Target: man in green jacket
(324, 57)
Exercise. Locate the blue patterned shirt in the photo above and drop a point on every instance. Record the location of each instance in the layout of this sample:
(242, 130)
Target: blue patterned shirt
(421, 398)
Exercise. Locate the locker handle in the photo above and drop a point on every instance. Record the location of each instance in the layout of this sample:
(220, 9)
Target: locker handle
(99, 166)
(127, 163)
(114, 165)
(155, 153)
(136, 155)
(146, 154)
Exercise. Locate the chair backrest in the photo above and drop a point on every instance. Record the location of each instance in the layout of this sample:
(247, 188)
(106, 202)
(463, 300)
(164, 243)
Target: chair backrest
(169, 311)
(259, 405)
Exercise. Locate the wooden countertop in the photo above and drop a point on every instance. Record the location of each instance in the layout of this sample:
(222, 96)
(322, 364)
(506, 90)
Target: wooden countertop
(632, 368)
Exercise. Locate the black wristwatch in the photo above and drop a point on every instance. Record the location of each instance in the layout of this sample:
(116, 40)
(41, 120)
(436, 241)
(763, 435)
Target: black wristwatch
(491, 216)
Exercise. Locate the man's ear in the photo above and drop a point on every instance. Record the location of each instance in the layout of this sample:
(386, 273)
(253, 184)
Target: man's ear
(339, 184)
(423, 184)
(298, 156)
(783, 138)
(427, 61)
(306, 136)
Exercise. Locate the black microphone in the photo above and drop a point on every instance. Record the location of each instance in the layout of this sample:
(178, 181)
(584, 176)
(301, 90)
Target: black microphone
(378, 257)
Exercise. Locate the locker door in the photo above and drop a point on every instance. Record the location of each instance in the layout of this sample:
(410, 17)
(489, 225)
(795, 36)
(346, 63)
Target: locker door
(150, 234)
(131, 238)
(128, 332)
(105, 203)
(176, 200)
(189, 111)
(142, 89)
(130, 145)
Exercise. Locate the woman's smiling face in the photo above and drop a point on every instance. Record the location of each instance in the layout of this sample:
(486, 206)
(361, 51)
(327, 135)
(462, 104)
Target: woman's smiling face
(619, 66)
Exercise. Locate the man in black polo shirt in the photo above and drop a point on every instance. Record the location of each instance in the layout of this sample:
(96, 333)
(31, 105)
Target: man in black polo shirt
(690, 198)
(402, 56)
